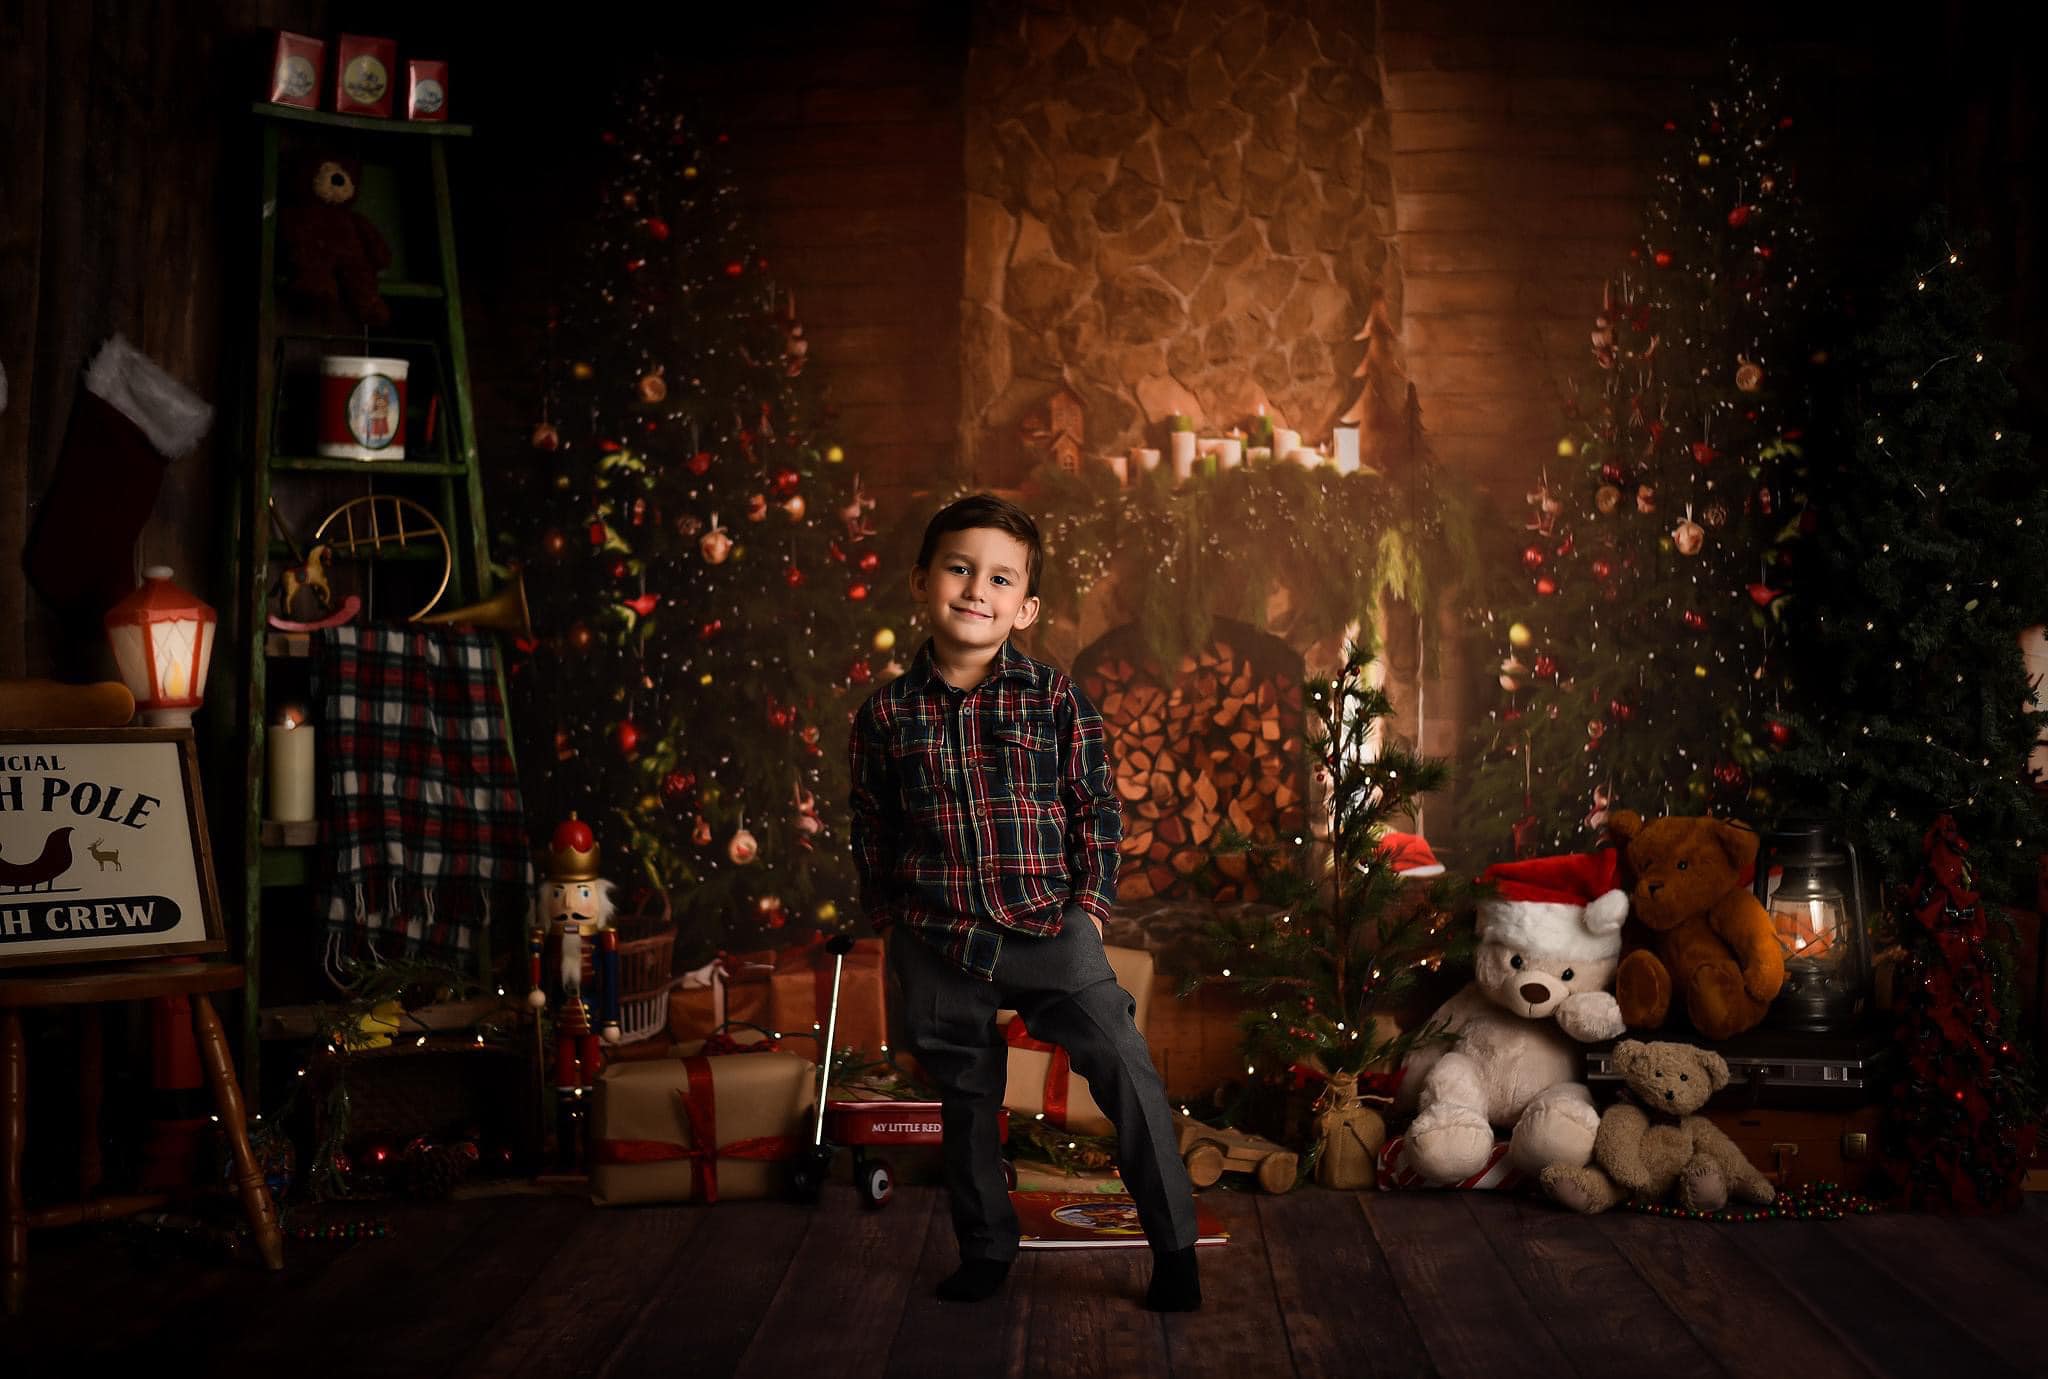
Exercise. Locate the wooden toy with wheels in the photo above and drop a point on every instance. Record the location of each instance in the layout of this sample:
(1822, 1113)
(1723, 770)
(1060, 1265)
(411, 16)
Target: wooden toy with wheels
(1209, 1152)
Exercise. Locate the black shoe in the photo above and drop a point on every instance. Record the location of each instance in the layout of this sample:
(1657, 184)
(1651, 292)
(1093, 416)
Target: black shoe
(1176, 1282)
(974, 1280)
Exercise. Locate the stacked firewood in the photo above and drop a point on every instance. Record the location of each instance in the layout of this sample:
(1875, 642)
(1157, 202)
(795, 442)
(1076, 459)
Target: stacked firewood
(1219, 745)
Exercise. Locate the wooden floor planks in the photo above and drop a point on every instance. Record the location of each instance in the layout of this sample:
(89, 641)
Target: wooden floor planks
(1385, 1285)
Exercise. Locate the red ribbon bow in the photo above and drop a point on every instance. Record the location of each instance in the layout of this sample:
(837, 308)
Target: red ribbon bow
(700, 1111)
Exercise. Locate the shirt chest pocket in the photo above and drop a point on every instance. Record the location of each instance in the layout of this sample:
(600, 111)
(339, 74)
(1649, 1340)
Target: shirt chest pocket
(1025, 763)
(918, 758)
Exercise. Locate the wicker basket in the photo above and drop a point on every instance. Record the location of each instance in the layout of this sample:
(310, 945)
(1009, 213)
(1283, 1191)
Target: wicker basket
(647, 950)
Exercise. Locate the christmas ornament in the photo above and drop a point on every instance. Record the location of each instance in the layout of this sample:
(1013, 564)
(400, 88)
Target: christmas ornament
(699, 464)
(653, 388)
(546, 437)
(1519, 635)
(1607, 499)
(700, 832)
(857, 591)
(1699, 672)
(786, 481)
(834, 455)
(581, 371)
(1612, 473)
(757, 508)
(810, 736)
(1767, 184)
(1780, 734)
(716, 544)
(554, 543)
(656, 227)
(868, 563)
(1646, 498)
(689, 524)
(792, 576)
(1763, 595)
(854, 514)
(596, 533)
(768, 911)
(1546, 586)
(826, 912)
(1749, 377)
(885, 639)
(742, 848)
(1692, 619)
(565, 746)
(676, 784)
(1532, 557)
(1688, 535)
(1739, 217)
(734, 268)
(795, 506)
(1545, 668)
(1596, 728)
(1702, 453)
(711, 629)
(1621, 711)
(1565, 448)
(627, 735)
(1728, 775)
(644, 605)
(1662, 258)
(1513, 675)
(1716, 515)
(580, 636)
(860, 672)
(1602, 570)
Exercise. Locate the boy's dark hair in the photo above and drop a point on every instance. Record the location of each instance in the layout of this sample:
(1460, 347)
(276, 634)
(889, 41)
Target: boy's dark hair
(986, 510)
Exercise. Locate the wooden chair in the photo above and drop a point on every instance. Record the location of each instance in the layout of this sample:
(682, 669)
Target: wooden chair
(46, 704)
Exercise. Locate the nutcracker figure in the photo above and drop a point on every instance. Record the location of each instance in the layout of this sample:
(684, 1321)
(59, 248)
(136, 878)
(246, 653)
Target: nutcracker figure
(574, 967)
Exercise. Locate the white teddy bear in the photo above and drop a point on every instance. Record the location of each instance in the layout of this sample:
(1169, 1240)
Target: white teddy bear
(1549, 941)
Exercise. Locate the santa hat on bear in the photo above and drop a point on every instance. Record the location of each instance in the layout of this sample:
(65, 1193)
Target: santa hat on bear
(1410, 856)
(1556, 907)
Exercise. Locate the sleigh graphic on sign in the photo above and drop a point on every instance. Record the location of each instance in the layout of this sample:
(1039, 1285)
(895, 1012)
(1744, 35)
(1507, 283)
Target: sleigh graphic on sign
(41, 874)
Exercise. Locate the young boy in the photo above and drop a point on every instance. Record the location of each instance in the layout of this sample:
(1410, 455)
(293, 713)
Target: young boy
(985, 830)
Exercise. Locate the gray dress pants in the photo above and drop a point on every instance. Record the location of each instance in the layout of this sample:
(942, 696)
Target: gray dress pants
(1067, 993)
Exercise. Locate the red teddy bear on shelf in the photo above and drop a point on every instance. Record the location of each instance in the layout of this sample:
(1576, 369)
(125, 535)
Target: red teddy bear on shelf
(332, 252)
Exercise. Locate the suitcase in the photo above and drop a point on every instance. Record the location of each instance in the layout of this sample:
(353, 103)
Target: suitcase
(1799, 1147)
(1779, 1070)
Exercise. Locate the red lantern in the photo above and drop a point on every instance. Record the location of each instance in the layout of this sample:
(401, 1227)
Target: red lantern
(163, 643)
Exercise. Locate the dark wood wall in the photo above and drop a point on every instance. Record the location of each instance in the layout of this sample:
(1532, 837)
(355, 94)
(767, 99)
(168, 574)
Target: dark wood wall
(119, 167)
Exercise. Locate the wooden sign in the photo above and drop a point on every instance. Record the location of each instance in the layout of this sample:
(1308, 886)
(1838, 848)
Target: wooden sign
(103, 851)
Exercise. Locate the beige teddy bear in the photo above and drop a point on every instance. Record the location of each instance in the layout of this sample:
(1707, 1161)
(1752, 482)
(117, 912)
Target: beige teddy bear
(1643, 1151)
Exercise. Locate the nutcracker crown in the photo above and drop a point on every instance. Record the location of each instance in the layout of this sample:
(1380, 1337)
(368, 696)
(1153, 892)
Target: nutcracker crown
(572, 852)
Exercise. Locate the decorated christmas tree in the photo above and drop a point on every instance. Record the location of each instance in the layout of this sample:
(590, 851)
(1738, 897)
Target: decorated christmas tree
(697, 554)
(1638, 632)
(1362, 909)
(1961, 1122)
(1923, 569)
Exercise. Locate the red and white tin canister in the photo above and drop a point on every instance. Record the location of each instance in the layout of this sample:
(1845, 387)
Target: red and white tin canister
(362, 407)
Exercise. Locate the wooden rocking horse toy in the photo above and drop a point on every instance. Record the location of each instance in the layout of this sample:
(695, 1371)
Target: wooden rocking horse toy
(309, 578)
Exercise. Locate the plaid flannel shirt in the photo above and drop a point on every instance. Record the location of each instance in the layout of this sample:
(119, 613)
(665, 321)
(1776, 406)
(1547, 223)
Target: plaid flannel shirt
(982, 811)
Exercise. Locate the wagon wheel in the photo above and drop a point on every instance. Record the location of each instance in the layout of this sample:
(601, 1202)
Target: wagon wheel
(876, 1182)
(365, 528)
(1009, 1175)
(1205, 1163)
(1277, 1172)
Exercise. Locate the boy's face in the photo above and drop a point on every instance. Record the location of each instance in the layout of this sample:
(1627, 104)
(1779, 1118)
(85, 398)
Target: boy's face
(973, 591)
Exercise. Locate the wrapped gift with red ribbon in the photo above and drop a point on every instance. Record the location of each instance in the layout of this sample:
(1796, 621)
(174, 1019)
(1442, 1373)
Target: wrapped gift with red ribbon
(800, 995)
(1042, 1080)
(699, 1129)
(732, 987)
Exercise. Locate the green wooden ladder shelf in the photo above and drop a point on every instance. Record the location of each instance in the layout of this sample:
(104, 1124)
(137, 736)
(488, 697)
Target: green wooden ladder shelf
(272, 858)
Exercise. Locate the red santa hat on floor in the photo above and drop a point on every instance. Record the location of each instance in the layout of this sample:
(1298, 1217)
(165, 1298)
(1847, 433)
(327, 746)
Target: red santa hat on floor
(1556, 907)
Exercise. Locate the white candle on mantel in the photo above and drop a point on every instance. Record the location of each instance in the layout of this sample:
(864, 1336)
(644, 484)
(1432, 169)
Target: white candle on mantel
(1183, 455)
(291, 768)
(1285, 442)
(1229, 452)
(1120, 466)
(1346, 440)
(1144, 459)
(1305, 457)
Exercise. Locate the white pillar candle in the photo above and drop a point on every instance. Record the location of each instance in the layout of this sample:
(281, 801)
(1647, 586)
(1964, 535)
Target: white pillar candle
(1346, 441)
(1306, 458)
(1144, 459)
(1285, 442)
(1183, 455)
(1229, 453)
(291, 769)
(1120, 466)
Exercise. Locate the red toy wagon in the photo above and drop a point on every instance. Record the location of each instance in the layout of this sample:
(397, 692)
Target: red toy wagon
(863, 1125)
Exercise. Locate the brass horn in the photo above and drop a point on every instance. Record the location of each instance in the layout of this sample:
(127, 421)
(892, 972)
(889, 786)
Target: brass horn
(504, 611)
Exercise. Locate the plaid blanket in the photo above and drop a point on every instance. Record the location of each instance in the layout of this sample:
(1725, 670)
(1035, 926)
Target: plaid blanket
(423, 824)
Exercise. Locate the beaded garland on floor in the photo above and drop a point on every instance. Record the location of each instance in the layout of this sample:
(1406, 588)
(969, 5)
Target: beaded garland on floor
(1819, 1201)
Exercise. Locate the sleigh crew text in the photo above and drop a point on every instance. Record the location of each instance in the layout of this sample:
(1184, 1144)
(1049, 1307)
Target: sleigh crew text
(144, 914)
(85, 799)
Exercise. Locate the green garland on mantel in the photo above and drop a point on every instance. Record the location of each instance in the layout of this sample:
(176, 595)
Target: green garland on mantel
(1220, 545)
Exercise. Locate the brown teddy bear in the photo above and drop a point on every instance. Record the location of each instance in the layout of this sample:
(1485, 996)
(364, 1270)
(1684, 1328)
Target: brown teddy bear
(1644, 1151)
(1710, 941)
(332, 252)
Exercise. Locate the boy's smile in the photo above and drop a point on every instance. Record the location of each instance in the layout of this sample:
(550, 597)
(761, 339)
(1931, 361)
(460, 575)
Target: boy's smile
(974, 593)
